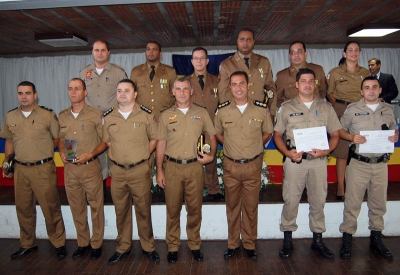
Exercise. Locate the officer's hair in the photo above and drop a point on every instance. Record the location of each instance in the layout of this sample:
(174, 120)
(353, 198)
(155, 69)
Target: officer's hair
(78, 79)
(29, 84)
(102, 41)
(127, 80)
(351, 42)
(298, 42)
(239, 73)
(342, 61)
(304, 71)
(154, 42)
(183, 79)
(200, 49)
(369, 78)
(377, 60)
(246, 30)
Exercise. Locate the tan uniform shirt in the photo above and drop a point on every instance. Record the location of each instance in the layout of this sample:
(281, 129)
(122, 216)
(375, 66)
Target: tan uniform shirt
(33, 135)
(286, 83)
(260, 74)
(183, 131)
(208, 97)
(294, 114)
(243, 132)
(344, 85)
(86, 128)
(102, 88)
(129, 137)
(157, 94)
(359, 117)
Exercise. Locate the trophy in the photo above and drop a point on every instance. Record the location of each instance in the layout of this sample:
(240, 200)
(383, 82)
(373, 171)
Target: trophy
(70, 149)
(203, 147)
(8, 164)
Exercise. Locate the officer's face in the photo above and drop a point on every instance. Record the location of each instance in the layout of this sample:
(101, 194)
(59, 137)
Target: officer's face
(126, 95)
(76, 92)
(100, 52)
(153, 53)
(182, 92)
(297, 54)
(371, 91)
(352, 53)
(373, 67)
(306, 84)
(199, 61)
(245, 42)
(26, 97)
(239, 88)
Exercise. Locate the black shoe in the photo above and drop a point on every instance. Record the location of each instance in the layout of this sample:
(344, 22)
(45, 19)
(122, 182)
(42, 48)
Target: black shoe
(377, 245)
(197, 255)
(229, 253)
(217, 197)
(21, 252)
(117, 257)
(320, 247)
(345, 250)
(287, 248)
(251, 253)
(96, 253)
(153, 256)
(61, 252)
(172, 257)
(80, 251)
(340, 198)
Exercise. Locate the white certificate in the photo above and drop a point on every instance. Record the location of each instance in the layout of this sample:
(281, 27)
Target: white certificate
(377, 142)
(311, 138)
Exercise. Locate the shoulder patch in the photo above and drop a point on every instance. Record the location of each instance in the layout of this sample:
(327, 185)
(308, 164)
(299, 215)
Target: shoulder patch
(46, 108)
(260, 104)
(106, 113)
(166, 108)
(13, 109)
(199, 105)
(144, 108)
(224, 104)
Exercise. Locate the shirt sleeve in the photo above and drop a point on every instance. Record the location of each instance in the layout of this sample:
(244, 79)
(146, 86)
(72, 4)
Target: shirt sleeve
(54, 126)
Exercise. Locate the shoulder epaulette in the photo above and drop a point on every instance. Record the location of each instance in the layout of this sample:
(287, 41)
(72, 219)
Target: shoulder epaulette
(13, 109)
(199, 105)
(260, 104)
(46, 108)
(224, 104)
(106, 113)
(144, 108)
(166, 108)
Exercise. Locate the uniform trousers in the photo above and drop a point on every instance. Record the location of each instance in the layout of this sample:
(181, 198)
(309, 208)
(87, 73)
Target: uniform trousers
(360, 177)
(183, 181)
(242, 191)
(84, 184)
(311, 174)
(211, 175)
(125, 185)
(39, 183)
(105, 165)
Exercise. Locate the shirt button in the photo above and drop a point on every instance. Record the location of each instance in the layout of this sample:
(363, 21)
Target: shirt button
(151, 85)
(152, 107)
(252, 93)
(152, 100)
(152, 93)
(74, 133)
(249, 75)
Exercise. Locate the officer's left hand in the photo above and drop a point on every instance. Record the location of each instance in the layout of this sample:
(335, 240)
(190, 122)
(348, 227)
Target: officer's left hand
(394, 138)
(83, 158)
(204, 158)
(317, 153)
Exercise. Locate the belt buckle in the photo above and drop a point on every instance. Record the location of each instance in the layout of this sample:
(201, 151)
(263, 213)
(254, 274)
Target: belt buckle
(373, 160)
(184, 161)
(126, 166)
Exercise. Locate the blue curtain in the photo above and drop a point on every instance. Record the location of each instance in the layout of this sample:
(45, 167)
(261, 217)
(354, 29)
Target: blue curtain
(183, 64)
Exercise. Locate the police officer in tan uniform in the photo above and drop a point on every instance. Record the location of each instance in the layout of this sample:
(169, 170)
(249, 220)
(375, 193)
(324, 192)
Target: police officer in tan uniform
(31, 132)
(262, 86)
(180, 166)
(82, 124)
(305, 169)
(205, 88)
(130, 127)
(243, 127)
(101, 79)
(286, 79)
(366, 171)
(344, 88)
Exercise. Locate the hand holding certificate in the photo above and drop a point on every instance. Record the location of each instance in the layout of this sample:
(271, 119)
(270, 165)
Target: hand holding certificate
(308, 139)
(377, 142)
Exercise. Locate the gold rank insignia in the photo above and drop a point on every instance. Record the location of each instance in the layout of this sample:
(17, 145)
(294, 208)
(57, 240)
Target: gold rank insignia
(224, 104)
(260, 104)
(144, 108)
(316, 82)
(215, 92)
(106, 113)
(172, 118)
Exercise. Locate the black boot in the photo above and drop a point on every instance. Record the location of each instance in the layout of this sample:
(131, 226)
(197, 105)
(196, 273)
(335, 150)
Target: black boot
(345, 250)
(320, 247)
(287, 248)
(377, 245)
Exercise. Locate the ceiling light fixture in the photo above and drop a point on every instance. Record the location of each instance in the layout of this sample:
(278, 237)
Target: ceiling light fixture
(373, 30)
(61, 40)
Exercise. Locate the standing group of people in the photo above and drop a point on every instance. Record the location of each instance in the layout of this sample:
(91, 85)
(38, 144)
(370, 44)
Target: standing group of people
(120, 127)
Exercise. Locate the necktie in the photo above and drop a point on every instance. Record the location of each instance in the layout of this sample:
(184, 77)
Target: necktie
(152, 73)
(246, 61)
(201, 82)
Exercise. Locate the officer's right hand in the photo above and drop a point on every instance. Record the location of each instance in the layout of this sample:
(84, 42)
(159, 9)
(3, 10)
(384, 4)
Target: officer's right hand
(160, 178)
(63, 157)
(9, 176)
(294, 155)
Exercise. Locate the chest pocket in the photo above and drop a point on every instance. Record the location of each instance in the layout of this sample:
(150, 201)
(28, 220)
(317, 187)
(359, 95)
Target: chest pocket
(296, 121)
(362, 122)
(114, 131)
(231, 128)
(13, 129)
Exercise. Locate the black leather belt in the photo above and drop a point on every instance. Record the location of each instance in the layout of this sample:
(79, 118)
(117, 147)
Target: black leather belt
(242, 161)
(127, 166)
(79, 163)
(33, 163)
(384, 158)
(343, 102)
(181, 161)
